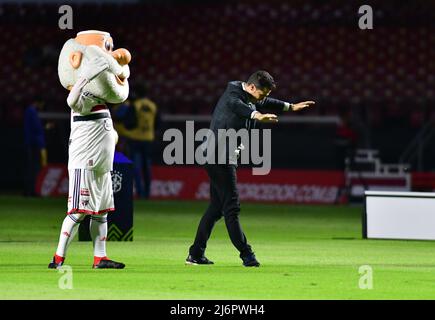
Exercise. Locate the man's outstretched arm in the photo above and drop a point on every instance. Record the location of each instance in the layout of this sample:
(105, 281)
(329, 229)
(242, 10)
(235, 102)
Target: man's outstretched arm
(244, 111)
(285, 106)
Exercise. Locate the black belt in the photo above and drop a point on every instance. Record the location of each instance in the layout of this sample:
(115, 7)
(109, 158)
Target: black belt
(94, 116)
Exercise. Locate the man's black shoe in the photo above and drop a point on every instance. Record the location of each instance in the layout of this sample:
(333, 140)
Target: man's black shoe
(196, 261)
(109, 264)
(250, 261)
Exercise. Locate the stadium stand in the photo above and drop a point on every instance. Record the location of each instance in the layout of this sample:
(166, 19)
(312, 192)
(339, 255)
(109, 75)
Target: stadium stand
(187, 51)
(382, 80)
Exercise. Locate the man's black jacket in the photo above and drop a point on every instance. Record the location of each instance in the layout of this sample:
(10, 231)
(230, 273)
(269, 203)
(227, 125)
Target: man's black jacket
(234, 110)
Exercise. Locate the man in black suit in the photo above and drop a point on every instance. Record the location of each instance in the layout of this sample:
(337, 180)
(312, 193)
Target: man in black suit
(236, 109)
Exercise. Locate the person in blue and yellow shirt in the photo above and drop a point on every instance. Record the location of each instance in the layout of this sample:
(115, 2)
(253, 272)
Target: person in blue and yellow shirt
(139, 121)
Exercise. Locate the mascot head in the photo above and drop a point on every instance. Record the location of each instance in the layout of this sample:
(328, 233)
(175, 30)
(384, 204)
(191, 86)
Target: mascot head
(110, 85)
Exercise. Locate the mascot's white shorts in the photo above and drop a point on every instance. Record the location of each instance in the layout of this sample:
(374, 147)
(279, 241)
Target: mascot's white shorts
(90, 192)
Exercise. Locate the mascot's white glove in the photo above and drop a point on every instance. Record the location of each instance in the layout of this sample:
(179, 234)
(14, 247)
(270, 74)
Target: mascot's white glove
(94, 68)
(81, 102)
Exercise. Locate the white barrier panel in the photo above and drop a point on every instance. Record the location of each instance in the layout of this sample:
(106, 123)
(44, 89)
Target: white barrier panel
(399, 215)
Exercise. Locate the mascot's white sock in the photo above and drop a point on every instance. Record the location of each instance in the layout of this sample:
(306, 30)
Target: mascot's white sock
(67, 233)
(98, 229)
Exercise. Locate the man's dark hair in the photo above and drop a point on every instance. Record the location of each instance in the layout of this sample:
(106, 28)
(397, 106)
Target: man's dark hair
(262, 80)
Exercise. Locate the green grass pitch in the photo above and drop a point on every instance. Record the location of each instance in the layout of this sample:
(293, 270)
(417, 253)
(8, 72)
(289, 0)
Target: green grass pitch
(307, 252)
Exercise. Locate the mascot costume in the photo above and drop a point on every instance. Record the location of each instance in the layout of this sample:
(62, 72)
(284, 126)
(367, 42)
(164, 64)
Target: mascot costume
(95, 74)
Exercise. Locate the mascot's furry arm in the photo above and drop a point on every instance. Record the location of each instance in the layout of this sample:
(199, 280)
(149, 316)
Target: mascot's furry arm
(79, 101)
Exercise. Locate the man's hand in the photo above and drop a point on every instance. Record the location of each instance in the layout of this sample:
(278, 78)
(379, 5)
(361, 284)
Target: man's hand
(94, 68)
(266, 117)
(302, 105)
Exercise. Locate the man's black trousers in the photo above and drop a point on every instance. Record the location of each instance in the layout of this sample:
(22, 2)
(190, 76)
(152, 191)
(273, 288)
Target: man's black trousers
(224, 201)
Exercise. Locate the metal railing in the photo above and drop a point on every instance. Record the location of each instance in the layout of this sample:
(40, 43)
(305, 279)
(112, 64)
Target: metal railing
(335, 120)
